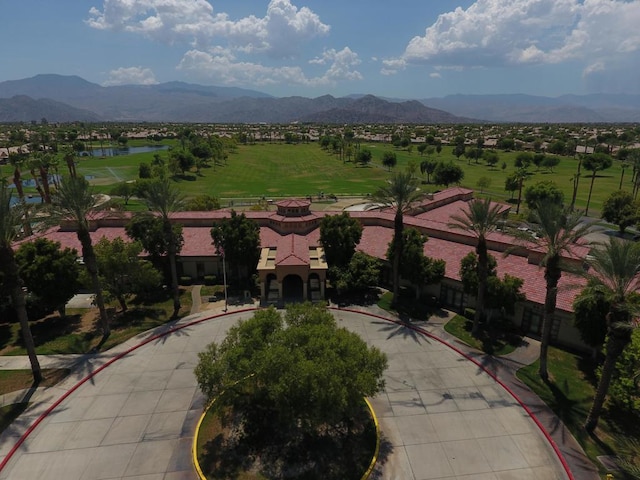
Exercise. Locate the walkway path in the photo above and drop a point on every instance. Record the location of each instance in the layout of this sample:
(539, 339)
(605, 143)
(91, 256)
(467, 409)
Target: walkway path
(441, 415)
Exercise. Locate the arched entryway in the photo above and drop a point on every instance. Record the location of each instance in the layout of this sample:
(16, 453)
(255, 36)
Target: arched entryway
(292, 289)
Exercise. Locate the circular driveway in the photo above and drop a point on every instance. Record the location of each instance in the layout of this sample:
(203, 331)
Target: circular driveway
(441, 416)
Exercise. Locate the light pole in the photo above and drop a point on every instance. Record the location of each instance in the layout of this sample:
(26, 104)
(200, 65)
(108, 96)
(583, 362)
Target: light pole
(224, 280)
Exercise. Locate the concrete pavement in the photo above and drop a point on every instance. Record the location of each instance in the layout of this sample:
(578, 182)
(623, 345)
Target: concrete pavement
(441, 415)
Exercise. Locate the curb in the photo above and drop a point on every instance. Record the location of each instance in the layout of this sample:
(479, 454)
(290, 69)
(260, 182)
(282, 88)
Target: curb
(422, 331)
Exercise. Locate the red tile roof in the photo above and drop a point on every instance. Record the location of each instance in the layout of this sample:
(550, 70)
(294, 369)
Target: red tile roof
(293, 250)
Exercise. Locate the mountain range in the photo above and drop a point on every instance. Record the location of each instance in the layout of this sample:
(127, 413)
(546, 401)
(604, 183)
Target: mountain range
(60, 98)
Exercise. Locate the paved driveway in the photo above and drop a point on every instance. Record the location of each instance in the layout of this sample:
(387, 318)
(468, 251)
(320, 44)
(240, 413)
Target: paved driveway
(441, 416)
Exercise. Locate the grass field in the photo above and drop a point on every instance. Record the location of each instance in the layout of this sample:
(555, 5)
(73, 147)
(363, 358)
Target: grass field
(281, 170)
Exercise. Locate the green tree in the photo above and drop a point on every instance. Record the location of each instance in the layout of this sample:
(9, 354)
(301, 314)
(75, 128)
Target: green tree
(459, 150)
(616, 267)
(511, 184)
(10, 223)
(414, 265)
(596, 162)
(122, 272)
(621, 208)
(339, 236)
(180, 162)
(202, 203)
(483, 183)
(469, 271)
(428, 167)
(164, 199)
(491, 157)
(589, 308)
(502, 294)
(124, 190)
(364, 157)
(399, 194)
(238, 239)
(542, 191)
(480, 218)
(49, 273)
(362, 272)
(523, 160)
(549, 162)
(447, 174)
(389, 160)
(556, 230)
(283, 376)
(74, 200)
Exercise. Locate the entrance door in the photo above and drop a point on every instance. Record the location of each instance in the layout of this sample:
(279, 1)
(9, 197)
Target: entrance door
(292, 289)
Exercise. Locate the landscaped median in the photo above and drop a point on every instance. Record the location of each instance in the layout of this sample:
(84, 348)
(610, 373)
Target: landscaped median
(286, 399)
(209, 427)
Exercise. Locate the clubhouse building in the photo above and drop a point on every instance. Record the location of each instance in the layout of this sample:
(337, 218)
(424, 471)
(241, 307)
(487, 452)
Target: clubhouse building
(292, 266)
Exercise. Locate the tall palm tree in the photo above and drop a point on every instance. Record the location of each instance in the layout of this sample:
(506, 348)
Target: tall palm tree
(616, 270)
(10, 223)
(480, 218)
(400, 193)
(74, 200)
(164, 199)
(69, 156)
(555, 230)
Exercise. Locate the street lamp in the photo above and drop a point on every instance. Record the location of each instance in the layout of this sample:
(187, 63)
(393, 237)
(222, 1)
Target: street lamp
(224, 280)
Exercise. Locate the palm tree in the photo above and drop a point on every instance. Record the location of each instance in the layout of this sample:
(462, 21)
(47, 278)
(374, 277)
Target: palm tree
(555, 230)
(594, 163)
(400, 193)
(616, 274)
(10, 223)
(480, 219)
(74, 200)
(161, 197)
(69, 156)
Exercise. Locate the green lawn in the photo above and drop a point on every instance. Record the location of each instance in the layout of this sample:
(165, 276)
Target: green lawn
(570, 393)
(75, 334)
(494, 340)
(281, 170)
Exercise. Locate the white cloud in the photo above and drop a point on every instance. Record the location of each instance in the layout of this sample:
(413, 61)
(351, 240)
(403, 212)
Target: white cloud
(221, 65)
(280, 33)
(516, 32)
(435, 75)
(130, 76)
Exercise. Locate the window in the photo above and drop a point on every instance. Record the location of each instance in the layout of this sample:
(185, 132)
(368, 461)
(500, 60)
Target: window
(532, 320)
(451, 297)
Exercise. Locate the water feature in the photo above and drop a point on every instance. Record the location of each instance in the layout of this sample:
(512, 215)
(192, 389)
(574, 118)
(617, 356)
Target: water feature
(118, 151)
(53, 179)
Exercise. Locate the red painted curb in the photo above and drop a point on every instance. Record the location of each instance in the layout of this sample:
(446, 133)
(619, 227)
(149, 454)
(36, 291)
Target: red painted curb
(47, 412)
(44, 415)
(546, 434)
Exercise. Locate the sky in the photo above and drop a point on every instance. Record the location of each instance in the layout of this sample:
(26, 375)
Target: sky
(399, 49)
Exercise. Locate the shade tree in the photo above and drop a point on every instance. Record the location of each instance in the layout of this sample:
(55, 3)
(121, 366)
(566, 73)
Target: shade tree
(237, 238)
(49, 272)
(285, 374)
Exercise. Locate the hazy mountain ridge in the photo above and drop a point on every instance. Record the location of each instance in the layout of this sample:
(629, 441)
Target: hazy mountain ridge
(73, 98)
(596, 108)
(22, 108)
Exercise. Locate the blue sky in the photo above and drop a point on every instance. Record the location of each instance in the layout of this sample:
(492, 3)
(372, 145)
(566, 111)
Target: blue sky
(401, 49)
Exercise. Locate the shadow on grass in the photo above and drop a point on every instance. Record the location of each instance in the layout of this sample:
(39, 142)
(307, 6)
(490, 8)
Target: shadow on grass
(497, 338)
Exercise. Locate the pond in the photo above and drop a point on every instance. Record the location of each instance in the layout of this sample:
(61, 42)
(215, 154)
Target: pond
(53, 179)
(115, 152)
